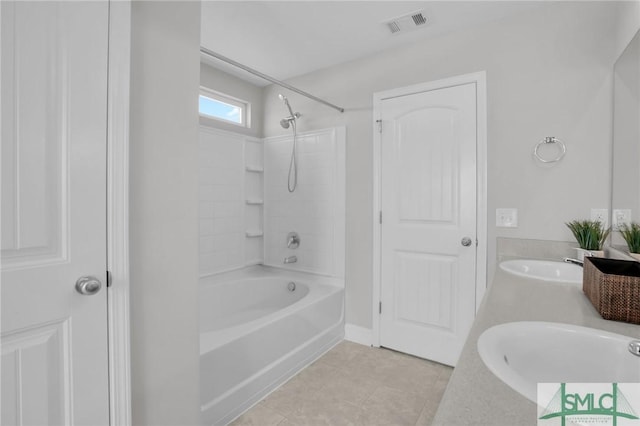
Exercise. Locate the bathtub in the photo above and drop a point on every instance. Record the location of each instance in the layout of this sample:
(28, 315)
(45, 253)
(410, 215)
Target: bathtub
(255, 333)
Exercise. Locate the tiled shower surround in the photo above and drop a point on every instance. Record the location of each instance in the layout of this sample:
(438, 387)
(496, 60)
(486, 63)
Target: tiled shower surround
(222, 232)
(315, 210)
(246, 210)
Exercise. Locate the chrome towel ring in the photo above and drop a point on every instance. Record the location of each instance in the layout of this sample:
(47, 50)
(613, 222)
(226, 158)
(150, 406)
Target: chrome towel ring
(548, 140)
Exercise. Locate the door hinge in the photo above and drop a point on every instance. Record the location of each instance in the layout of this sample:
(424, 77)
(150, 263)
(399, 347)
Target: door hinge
(379, 307)
(379, 125)
(380, 217)
(109, 280)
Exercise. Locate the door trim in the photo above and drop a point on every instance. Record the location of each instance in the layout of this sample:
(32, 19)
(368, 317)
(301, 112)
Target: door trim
(479, 78)
(118, 212)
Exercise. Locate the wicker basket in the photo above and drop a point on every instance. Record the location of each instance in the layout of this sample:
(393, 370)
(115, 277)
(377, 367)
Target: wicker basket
(613, 287)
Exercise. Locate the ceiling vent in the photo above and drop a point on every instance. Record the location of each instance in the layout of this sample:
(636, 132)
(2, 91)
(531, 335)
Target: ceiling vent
(406, 23)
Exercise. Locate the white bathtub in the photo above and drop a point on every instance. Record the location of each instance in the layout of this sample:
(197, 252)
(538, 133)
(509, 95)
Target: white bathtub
(255, 334)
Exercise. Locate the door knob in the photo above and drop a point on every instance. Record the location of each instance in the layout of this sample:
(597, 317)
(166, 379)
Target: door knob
(466, 241)
(88, 286)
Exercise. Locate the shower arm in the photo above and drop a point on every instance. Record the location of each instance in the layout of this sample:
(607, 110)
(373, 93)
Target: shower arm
(215, 55)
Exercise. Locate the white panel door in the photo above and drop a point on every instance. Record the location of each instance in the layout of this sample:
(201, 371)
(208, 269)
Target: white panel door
(53, 78)
(428, 199)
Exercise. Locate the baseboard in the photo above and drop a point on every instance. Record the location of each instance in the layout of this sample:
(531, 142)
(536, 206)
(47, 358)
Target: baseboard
(357, 334)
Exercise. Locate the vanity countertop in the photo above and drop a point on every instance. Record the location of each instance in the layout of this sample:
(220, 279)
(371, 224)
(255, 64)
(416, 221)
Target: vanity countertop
(474, 395)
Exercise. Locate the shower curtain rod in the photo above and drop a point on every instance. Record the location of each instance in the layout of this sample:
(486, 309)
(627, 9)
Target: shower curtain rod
(266, 77)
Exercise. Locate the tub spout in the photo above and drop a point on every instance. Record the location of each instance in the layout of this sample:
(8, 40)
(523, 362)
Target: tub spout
(290, 259)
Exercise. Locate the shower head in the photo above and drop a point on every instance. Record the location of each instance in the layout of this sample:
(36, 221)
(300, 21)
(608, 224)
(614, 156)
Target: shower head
(286, 122)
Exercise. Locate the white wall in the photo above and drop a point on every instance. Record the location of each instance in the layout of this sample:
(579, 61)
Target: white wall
(548, 74)
(628, 24)
(227, 84)
(165, 39)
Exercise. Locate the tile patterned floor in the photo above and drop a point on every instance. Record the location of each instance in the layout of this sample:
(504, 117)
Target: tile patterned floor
(354, 384)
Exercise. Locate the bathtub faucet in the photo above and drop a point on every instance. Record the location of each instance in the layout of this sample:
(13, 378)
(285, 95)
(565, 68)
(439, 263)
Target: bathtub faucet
(290, 259)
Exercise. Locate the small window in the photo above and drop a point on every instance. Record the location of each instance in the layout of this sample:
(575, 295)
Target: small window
(222, 107)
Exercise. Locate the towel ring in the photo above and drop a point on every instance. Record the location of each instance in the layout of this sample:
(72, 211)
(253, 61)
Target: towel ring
(547, 140)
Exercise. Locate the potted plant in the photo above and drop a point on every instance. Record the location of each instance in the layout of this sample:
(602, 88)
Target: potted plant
(590, 235)
(631, 234)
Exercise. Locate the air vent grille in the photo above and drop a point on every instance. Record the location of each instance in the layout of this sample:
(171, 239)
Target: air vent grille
(419, 19)
(393, 26)
(406, 23)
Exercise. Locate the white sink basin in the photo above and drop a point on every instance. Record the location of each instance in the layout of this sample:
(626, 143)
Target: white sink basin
(545, 270)
(523, 354)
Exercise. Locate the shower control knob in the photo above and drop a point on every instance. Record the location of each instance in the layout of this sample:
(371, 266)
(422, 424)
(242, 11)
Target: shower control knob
(88, 286)
(466, 241)
(293, 240)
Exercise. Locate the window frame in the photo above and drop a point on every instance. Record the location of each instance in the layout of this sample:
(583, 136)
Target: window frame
(245, 107)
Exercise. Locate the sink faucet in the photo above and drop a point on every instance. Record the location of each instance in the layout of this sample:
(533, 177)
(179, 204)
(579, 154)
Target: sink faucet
(290, 259)
(574, 261)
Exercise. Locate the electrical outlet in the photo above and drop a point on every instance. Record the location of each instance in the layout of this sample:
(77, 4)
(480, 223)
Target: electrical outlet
(600, 215)
(507, 218)
(621, 216)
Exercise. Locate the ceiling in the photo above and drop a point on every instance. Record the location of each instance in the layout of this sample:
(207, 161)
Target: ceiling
(285, 39)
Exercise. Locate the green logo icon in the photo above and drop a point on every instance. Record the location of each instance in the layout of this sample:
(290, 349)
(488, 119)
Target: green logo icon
(588, 405)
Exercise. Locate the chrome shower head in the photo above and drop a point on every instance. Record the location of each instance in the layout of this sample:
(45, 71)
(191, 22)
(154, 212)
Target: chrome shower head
(286, 122)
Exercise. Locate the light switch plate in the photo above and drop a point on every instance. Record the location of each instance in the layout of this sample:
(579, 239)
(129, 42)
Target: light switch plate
(621, 216)
(601, 215)
(507, 218)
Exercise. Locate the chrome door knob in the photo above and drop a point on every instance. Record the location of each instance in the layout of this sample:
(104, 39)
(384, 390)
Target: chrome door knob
(88, 286)
(466, 241)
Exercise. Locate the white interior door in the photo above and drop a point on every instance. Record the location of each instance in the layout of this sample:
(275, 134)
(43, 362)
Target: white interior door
(53, 78)
(428, 231)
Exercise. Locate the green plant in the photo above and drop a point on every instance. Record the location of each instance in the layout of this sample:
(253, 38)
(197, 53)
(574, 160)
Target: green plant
(631, 234)
(589, 234)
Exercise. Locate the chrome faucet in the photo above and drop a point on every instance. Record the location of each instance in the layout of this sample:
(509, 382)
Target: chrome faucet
(574, 261)
(290, 259)
(293, 240)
